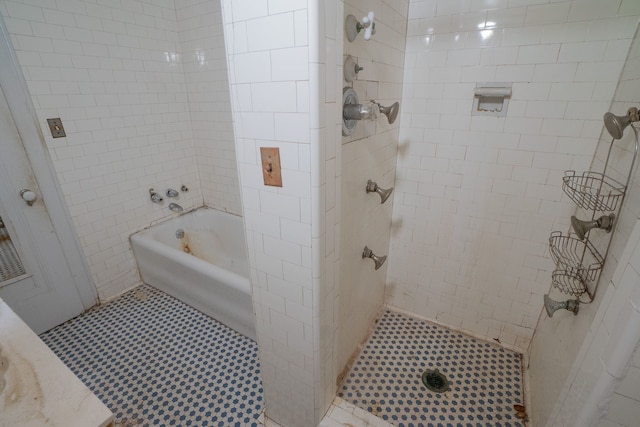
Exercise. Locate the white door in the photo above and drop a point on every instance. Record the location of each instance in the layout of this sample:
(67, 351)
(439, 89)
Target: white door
(45, 295)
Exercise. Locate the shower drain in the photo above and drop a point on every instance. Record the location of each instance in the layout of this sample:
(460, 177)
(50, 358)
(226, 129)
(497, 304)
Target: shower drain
(435, 381)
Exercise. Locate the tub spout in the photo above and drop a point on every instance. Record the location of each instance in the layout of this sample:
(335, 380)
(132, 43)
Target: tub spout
(175, 207)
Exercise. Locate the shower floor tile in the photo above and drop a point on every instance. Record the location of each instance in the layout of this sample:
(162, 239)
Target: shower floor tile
(386, 378)
(154, 360)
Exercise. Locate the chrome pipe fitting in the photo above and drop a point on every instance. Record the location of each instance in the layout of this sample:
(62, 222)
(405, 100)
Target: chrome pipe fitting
(367, 253)
(171, 192)
(372, 187)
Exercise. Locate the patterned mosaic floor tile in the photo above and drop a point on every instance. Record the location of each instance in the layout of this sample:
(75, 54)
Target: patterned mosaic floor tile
(155, 361)
(485, 380)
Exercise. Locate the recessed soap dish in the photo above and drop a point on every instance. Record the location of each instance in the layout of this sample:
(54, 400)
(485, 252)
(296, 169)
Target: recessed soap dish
(491, 99)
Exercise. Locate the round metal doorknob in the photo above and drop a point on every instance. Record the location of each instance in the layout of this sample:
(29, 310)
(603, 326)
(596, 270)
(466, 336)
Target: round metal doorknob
(28, 196)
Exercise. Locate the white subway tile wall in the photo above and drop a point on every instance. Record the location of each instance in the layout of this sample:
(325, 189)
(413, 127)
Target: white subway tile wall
(282, 59)
(205, 70)
(477, 196)
(624, 409)
(113, 73)
(557, 350)
(369, 153)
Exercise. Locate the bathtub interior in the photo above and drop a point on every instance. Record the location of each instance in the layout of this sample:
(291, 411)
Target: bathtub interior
(223, 246)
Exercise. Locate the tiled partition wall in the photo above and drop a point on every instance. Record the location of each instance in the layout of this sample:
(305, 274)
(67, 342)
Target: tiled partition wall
(559, 370)
(477, 196)
(369, 153)
(113, 74)
(205, 69)
(283, 64)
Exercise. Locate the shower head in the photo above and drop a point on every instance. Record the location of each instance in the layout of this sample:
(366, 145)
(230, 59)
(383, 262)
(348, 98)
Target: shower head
(552, 306)
(605, 222)
(391, 111)
(384, 193)
(368, 253)
(616, 124)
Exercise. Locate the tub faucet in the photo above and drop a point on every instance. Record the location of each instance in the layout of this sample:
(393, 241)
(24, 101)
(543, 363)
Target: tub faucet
(171, 193)
(175, 207)
(155, 197)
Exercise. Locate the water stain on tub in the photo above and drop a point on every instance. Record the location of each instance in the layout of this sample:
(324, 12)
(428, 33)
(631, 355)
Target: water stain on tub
(186, 246)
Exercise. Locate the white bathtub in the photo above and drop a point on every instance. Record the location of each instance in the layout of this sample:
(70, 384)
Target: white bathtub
(207, 268)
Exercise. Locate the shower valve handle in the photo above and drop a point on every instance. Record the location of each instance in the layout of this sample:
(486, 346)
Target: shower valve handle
(368, 25)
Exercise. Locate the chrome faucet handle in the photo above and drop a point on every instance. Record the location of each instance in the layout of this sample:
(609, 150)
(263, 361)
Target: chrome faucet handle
(155, 197)
(174, 207)
(172, 193)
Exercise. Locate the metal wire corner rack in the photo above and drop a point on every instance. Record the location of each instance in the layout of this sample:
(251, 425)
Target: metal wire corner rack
(570, 252)
(569, 282)
(578, 262)
(592, 190)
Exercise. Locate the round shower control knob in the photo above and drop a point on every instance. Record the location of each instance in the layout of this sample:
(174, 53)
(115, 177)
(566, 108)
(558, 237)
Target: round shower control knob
(28, 196)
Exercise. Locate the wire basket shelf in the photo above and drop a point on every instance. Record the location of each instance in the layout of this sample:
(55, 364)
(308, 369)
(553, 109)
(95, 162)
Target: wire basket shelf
(569, 281)
(593, 190)
(580, 259)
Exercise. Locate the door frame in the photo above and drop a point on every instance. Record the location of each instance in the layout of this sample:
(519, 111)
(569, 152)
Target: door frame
(26, 121)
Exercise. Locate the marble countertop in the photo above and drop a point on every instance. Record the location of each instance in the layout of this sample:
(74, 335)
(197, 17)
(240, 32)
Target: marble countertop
(36, 388)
